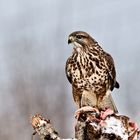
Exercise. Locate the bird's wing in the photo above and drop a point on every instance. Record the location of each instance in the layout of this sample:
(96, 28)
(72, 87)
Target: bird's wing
(77, 95)
(111, 71)
(68, 69)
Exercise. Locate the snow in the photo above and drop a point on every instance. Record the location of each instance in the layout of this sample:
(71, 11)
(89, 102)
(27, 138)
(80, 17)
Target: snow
(115, 126)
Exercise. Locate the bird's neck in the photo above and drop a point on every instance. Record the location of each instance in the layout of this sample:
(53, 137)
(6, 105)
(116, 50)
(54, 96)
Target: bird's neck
(93, 49)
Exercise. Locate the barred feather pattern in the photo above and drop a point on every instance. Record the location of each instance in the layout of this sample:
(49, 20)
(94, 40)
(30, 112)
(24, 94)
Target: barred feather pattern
(91, 72)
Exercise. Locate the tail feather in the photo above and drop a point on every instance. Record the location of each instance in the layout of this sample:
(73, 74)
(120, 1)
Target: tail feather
(117, 85)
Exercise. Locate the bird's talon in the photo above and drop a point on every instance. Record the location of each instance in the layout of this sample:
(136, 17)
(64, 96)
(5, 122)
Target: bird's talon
(86, 109)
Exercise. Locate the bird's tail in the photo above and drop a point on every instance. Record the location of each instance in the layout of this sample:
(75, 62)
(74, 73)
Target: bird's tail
(109, 102)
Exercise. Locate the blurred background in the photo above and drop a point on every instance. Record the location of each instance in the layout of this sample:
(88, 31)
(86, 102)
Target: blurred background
(34, 49)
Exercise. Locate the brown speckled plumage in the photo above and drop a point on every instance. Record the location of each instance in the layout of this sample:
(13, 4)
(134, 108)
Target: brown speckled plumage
(91, 72)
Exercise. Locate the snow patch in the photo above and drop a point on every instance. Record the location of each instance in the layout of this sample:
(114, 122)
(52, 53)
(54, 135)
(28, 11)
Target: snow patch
(115, 126)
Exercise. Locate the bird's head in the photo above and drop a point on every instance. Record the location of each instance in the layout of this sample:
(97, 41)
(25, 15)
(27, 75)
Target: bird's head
(81, 40)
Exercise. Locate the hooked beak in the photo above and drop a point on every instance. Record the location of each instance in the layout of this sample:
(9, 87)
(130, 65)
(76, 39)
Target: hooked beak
(70, 39)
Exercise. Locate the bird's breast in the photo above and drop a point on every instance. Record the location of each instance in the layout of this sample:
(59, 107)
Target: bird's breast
(88, 72)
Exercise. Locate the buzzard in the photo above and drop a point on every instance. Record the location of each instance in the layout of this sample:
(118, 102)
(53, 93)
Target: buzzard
(91, 72)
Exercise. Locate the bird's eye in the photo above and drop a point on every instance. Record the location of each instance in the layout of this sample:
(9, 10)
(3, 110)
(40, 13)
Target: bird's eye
(79, 37)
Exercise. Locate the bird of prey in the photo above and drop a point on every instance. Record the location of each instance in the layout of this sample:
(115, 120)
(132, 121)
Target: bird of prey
(91, 71)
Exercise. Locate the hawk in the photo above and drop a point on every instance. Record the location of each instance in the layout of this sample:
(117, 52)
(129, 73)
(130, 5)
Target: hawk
(91, 71)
